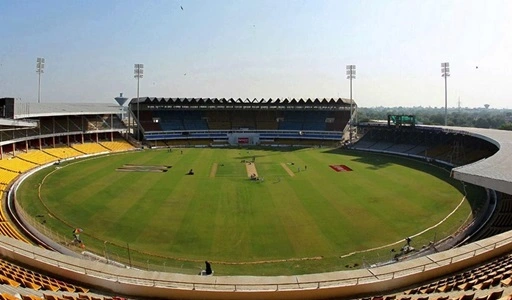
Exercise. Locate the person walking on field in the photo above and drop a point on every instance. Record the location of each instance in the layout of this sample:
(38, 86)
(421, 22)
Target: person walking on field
(76, 234)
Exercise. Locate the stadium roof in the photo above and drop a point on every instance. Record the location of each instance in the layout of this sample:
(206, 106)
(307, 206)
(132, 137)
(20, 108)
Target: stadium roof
(493, 172)
(14, 124)
(34, 110)
(242, 101)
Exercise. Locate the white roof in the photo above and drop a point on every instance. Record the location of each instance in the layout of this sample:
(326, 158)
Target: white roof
(34, 110)
(494, 172)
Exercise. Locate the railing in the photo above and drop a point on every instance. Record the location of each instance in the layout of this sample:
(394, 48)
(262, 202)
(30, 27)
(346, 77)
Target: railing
(240, 283)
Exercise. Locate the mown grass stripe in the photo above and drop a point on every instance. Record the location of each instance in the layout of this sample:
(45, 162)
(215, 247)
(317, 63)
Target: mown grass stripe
(318, 212)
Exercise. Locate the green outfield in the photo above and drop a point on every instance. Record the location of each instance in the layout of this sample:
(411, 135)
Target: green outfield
(300, 216)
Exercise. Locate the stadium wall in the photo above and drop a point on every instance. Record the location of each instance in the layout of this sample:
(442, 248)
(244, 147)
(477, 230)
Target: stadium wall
(141, 283)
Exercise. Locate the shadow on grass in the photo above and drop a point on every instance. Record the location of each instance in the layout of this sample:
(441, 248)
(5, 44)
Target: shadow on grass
(476, 196)
(245, 151)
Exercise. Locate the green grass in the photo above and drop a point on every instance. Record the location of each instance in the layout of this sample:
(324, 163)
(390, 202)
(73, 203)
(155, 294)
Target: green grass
(174, 220)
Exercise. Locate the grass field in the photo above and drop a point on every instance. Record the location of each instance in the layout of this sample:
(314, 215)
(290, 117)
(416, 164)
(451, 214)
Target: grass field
(282, 224)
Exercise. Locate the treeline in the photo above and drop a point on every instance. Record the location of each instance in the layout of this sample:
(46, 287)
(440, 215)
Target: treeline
(465, 117)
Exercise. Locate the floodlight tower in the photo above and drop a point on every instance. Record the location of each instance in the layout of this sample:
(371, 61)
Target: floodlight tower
(445, 72)
(351, 74)
(39, 70)
(138, 73)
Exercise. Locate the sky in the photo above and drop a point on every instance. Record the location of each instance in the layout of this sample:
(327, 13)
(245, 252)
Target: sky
(259, 49)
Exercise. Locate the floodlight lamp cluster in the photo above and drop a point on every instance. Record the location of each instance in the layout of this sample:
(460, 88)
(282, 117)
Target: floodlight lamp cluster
(138, 71)
(351, 72)
(40, 65)
(445, 69)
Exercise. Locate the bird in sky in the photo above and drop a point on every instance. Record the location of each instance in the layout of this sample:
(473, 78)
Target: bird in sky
(181, 7)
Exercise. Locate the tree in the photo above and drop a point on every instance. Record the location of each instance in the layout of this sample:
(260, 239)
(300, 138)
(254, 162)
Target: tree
(507, 126)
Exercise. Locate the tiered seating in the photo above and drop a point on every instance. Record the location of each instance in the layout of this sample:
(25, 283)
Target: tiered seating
(18, 276)
(2, 215)
(218, 119)
(90, 148)
(243, 119)
(37, 157)
(301, 120)
(48, 296)
(489, 281)
(192, 120)
(114, 120)
(170, 125)
(315, 120)
(292, 120)
(7, 229)
(417, 150)
(67, 124)
(7, 176)
(63, 152)
(146, 120)
(484, 277)
(341, 119)
(501, 220)
(472, 295)
(17, 165)
(170, 120)
(219, 125)
(117, 145)
(101, 122)
(11, 168)
(382, 145)
(266, 120)
(439, 146)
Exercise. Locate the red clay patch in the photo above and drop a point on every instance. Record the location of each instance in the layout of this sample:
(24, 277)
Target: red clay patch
(340, 168)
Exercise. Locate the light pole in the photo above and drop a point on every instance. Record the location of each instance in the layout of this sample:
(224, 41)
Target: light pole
(139, 73)
(39, 70)
(445, 72)
(351, 74)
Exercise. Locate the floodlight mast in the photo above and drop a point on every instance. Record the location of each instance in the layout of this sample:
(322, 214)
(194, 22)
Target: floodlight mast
(39, 71)
(138, 74)
(445, 72)
(351, 74)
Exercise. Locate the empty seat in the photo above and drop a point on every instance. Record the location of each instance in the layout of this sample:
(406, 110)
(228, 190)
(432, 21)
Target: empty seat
(495, 295)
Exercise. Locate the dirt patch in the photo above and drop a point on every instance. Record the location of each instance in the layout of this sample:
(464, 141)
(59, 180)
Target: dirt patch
(213, 171)
(285, 167)
(251, 170)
